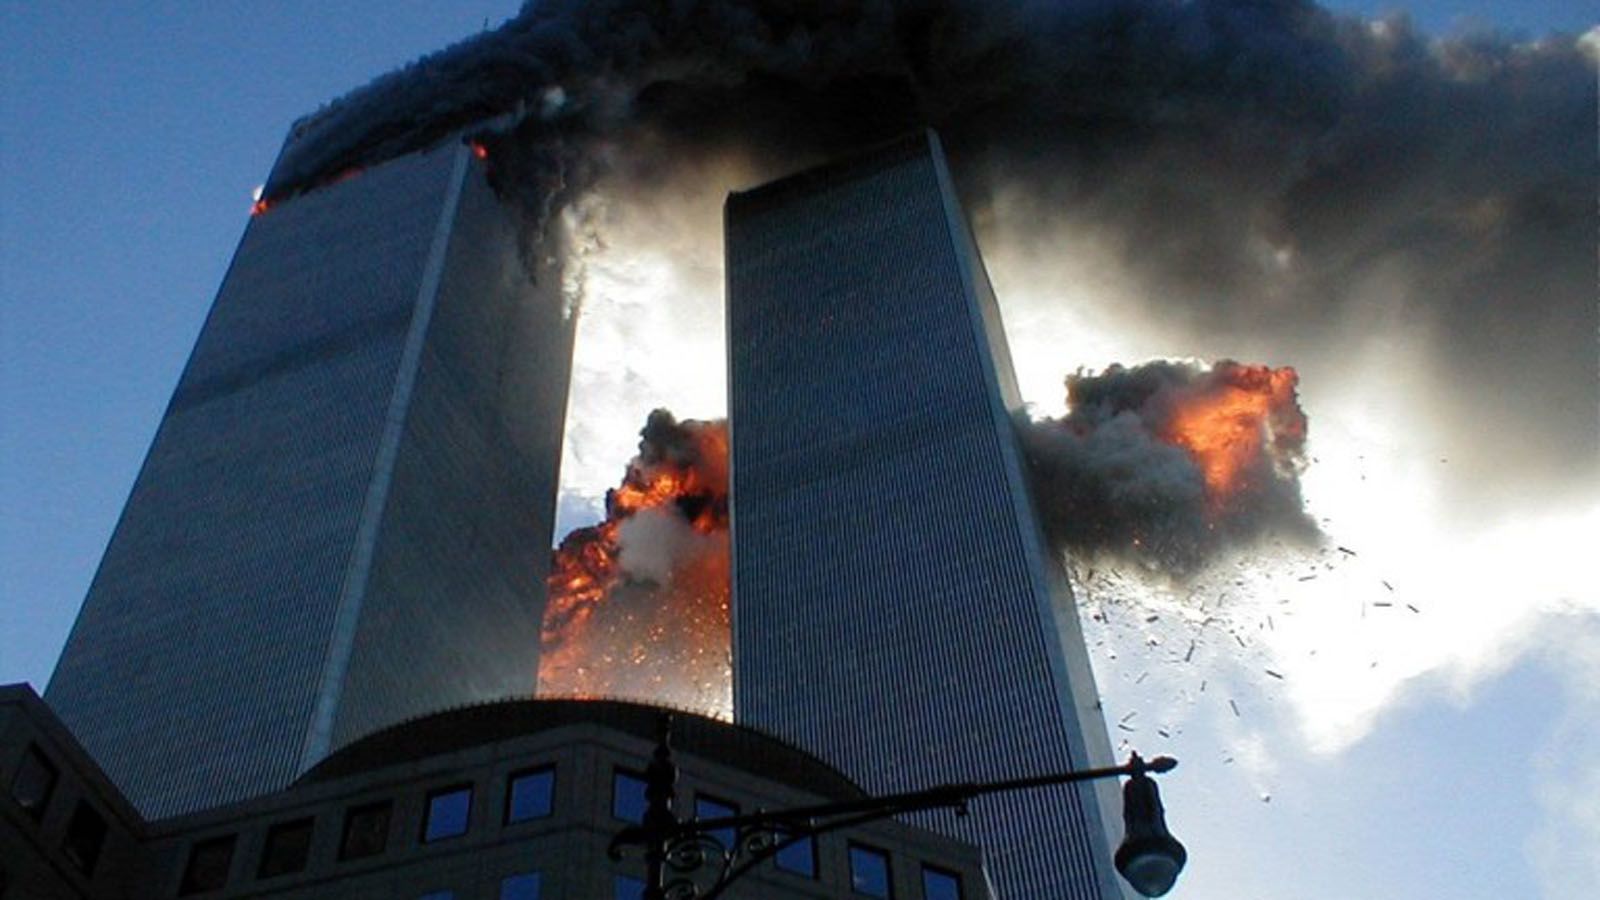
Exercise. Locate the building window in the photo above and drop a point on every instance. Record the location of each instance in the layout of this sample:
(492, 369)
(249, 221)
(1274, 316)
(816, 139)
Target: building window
(627, 796)
(937, 884)
(799, 857)
(438, 895)
(712, 808)
(869, 871)
(625, 888)
(86, 835)
(287, 848)
(530, 795)
(34, 782)
(449, 811)
(524, 886)
(366, 831)
(209, 862)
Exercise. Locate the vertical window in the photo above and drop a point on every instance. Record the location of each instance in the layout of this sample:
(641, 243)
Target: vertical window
(627, 796)
(938, 884)
(625, 888)
(287, 848)
(449, 811)
(869, 871)
(520, 887)
(86, 835)
(530, 795)
(366, 831)
(34, 782)
(209, 862)
(712, 808)
(799, 857)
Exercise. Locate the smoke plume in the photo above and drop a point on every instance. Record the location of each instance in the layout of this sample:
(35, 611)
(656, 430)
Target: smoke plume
(1167, 462)
(1325, 184)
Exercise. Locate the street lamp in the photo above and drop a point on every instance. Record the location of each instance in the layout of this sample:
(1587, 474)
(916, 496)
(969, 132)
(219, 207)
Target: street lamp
(684, 860)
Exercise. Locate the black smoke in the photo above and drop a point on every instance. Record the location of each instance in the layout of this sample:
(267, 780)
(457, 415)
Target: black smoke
(1259, 167)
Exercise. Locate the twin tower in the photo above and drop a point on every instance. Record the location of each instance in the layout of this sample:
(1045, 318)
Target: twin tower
(344, 518)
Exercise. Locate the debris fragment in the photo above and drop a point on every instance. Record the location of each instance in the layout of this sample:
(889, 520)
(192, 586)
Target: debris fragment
(1126, 727)
(1189, 655)
(1413, 608)
(1151, 618)
(1128, 716)
(1311, 577)
(1202, 685)
(1234, 705)
(1389, 586)
(1163, 732)
(1142, 677)
(1382, 603)
(1347, 551)
(1273, 674)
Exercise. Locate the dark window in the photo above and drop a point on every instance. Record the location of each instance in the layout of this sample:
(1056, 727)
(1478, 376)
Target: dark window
(799, 857)
(520, 887)
(86, 835)
(34, 782)
(625, 888)
(627, 796)
(869, 871)
(438, 895)
(530, 795)
(209, 862)
(711, 808)
(938, 884)
(287, 849)
(449, 811)
(366, 831)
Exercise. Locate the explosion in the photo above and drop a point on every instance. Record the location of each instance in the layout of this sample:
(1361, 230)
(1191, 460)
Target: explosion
(1166, 462)
(638, 604)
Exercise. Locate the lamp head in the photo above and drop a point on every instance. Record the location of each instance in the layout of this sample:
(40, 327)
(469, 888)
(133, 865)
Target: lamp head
(1150, 858)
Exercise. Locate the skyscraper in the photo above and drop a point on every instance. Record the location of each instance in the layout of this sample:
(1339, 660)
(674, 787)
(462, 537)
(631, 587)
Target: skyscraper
(896, 608)
(341, 521)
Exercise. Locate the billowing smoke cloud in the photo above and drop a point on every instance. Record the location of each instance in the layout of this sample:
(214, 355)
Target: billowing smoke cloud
(1320, 183)
(1166, 463)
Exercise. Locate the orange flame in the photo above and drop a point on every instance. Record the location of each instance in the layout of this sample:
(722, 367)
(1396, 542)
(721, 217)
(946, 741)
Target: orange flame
(1235, 422)
(610, 630)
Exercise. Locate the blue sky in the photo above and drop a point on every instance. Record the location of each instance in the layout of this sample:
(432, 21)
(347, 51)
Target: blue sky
(130, 139)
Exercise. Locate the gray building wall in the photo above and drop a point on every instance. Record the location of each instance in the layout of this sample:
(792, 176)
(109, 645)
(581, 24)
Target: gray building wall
(340, 521)
(896, 610)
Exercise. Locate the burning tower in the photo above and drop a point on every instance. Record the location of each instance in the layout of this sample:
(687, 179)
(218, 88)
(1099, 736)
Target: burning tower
(896, 609)
(331, 530)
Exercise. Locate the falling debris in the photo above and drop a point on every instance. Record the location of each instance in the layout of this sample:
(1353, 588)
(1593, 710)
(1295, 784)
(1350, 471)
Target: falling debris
(1412, 608)
(1128, 716)
(1189, 655)
(1141, 678)
(1234, 705)
(1163, 732)
(1311, 577)
(1389, 586)
(1273, 674)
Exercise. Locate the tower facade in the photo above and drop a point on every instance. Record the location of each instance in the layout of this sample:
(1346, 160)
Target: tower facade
(896, 609)
(340, 522)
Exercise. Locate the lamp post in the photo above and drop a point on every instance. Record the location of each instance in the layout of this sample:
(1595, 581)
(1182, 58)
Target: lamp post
(684, 860)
